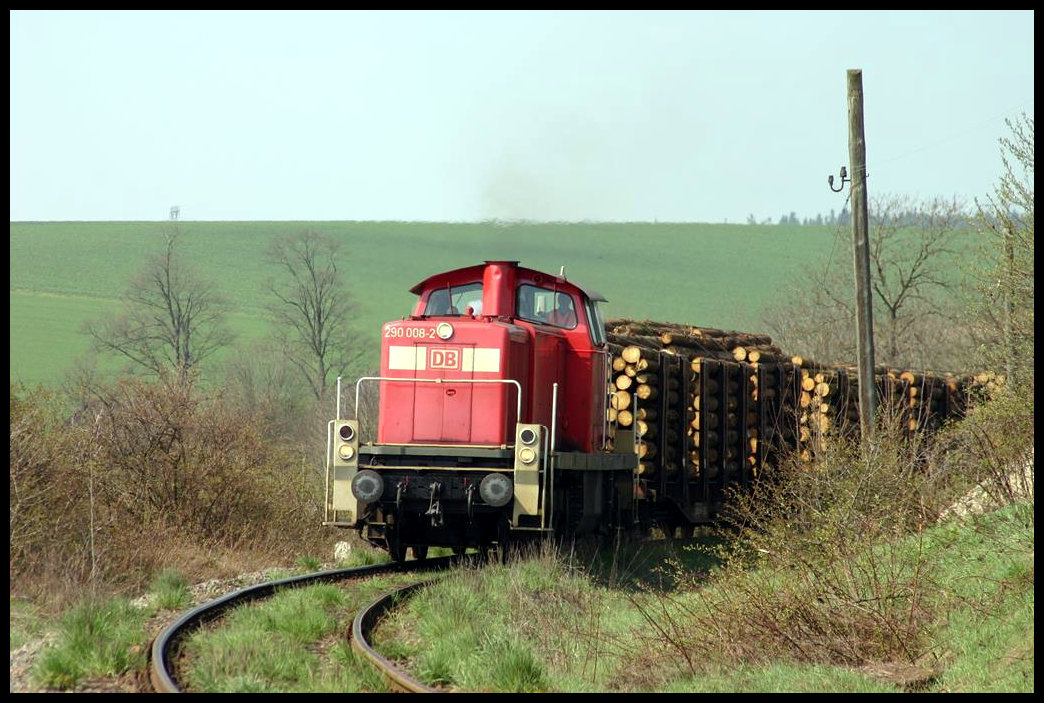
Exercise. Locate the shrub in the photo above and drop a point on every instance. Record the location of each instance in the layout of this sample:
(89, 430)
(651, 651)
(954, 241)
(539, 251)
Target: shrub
(818, 564)
(990, 454)
(162, 459)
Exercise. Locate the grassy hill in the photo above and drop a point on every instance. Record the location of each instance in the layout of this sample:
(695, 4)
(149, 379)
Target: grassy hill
(715, 275)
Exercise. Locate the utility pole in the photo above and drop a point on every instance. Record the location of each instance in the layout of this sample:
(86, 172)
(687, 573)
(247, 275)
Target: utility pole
(860, 234)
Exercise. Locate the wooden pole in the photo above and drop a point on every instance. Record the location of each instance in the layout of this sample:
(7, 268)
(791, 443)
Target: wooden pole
(860, 227)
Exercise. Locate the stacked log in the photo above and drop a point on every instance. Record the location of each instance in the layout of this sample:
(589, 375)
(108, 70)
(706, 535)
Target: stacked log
(657, 368)
(725, 441)
(717, 406)
(777, 394)
(930, 399)
(644, 397)
(985, 384)
(690, 341)
(825, 403)
(829, 397)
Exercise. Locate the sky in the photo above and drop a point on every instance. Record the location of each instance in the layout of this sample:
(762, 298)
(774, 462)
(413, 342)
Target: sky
(686, 116)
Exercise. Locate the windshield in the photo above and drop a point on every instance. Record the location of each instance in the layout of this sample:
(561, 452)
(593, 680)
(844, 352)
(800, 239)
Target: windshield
(455, 300)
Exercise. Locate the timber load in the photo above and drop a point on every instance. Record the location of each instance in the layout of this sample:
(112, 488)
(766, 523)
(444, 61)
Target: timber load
(709, 408)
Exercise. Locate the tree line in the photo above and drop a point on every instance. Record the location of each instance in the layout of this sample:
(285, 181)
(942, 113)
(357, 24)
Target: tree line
(913, 216)
(791, 218)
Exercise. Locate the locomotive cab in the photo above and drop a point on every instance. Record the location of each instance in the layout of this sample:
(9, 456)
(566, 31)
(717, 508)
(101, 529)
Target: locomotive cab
(491, 418)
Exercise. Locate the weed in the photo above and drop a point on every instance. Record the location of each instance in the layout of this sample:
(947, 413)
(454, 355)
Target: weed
(96, 639)
(171, 589)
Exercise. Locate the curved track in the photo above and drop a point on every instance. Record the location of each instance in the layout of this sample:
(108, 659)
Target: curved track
(164, 648)
(365, 622)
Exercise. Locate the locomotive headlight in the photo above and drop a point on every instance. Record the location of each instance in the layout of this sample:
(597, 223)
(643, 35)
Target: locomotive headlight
(444, 330)
(496, 490)
(347, 432)
(367, 486)
(527, 455)
(528, 436)
(346, 452)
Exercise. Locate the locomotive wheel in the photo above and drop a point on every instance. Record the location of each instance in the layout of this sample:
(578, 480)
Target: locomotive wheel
(420, 551)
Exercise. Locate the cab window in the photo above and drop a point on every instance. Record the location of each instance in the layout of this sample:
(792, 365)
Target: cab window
(546, 306)
(455, 300)
(596, 324)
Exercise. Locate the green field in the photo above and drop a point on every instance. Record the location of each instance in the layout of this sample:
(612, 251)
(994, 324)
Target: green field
(714, 275)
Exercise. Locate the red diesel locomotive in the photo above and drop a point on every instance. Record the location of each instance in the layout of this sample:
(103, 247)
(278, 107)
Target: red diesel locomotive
(492, 424)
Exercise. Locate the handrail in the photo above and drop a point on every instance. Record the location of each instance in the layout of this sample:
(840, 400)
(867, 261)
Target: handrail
(329, 457)
(554, 414)
(549, 488)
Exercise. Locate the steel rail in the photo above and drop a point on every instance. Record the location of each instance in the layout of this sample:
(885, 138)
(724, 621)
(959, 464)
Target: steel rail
(164, 647)
(366, 621)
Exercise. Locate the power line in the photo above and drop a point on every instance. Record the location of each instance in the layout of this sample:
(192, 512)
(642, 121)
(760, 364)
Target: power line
(955, 135)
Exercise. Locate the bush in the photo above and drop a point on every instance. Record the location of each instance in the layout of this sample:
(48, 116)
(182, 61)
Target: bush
(990, 454)
(160, 459)
(49, 503)
(826, 563)
(815, 567)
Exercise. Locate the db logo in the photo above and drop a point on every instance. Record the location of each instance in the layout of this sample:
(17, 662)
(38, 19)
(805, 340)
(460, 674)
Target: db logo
(444, 358)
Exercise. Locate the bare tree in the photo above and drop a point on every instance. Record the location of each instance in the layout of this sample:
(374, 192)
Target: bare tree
(914, 247)
(311, 307)
(1007, 283)
(172, 319)
(913, 250)
(259, 383)
(805, 319)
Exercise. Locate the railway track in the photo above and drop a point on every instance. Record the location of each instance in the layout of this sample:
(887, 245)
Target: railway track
(164, 652)
(365, 622)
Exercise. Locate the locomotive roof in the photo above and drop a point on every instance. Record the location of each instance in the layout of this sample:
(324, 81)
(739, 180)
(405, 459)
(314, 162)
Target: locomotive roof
(475, 273)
